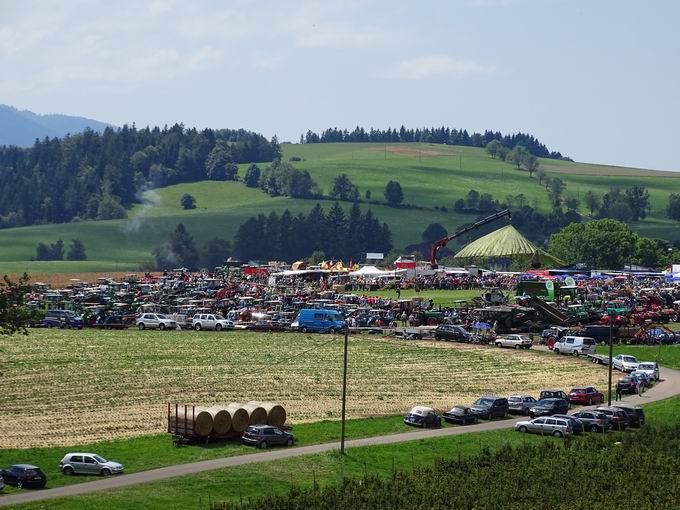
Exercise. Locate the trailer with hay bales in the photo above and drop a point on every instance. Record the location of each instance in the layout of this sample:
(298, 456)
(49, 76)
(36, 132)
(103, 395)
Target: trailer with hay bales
(190, 423)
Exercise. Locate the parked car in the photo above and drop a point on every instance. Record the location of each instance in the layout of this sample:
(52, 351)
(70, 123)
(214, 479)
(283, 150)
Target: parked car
(553, 394)
(631, 414)
(318, 320)
(642, 377)
(625, 362)
(62, 319)
(155, 321)
(451, 333)
(460, 415)
(650, 368)
(627, 385)
(557, 427)
(24, 476)
(514, 341)
(264, 436)
(210, 321)
(423, 417)
(617, 416)
(585, 396)
(594, 421)
(576, 424)
(89, 464)
(2, 483)
(549, 406)
(520, 404)
(575, 345)
(491, 407)
(639, 411)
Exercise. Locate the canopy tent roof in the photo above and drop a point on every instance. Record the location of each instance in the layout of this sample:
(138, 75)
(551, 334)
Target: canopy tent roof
(505, 242)
(372, 271)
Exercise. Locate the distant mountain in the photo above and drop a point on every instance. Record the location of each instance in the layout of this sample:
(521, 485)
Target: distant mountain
(22, 127)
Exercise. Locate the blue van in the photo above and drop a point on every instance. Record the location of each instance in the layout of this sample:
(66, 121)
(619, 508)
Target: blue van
(320, 320)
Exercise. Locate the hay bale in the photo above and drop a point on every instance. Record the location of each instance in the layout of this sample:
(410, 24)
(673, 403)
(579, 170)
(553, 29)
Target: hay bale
(202, 421)
(239, 416)
(276, 413)
(221, 419)
(257, 415)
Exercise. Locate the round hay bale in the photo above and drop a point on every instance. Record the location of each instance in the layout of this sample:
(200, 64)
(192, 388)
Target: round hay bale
(239, 416)
(203, 422)
(276, 413)
(221, 419)
(257, 415)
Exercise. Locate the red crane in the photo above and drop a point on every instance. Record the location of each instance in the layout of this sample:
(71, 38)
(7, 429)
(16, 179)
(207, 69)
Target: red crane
(444, 241)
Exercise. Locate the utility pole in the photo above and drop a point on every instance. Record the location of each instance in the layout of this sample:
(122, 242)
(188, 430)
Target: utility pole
(344, 393)
(611, 350)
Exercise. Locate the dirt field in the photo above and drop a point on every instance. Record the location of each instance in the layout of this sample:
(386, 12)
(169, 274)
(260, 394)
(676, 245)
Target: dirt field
(412, 151)
(69, 387)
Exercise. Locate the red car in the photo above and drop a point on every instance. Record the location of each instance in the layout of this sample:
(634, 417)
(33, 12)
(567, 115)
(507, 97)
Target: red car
(585, 396)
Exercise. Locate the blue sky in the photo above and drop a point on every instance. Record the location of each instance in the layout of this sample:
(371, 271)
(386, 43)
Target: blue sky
(597, 80)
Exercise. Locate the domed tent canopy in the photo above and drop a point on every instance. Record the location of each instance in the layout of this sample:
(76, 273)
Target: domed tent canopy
(507, 243)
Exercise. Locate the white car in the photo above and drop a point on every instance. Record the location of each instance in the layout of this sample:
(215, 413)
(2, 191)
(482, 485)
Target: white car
(649, 368)
(210, 321)
(514, 341)
(546, 425)
(156, 321)
(625, 362)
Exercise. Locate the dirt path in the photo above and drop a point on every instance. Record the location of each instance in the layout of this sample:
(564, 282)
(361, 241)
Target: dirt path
(668, 387)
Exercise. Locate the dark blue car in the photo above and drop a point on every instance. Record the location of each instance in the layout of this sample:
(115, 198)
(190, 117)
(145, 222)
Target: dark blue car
(62, 319)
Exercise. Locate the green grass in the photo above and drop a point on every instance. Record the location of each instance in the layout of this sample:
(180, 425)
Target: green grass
(250, 481)
(439, 297)
(438, 177)
(665, 355)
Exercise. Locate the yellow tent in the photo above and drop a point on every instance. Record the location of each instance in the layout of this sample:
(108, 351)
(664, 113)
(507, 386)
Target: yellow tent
(505, 242)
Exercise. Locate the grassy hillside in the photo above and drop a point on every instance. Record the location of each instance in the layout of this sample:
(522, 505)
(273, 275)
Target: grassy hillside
(430, 175)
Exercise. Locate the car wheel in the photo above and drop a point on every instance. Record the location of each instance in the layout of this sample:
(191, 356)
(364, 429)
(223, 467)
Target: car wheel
(197, 327)
(557, 433)
(68, 470)
(331, 331)
(141, 326)
(106, 472)
(263, 445)
(556, 351)
(594, 428)
(517, 346)
(218, 327)
(290, 441)
(523, 429)
(303, 329)
(575, 353)
(498, 344)
(161, 326)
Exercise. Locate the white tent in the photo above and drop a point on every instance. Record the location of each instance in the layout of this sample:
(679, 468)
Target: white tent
(374, 272)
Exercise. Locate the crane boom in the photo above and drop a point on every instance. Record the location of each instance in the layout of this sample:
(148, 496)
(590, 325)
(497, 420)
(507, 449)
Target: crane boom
(445, 240)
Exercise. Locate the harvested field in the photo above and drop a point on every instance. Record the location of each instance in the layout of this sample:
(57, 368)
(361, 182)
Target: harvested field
(65, 387)
(413, 152)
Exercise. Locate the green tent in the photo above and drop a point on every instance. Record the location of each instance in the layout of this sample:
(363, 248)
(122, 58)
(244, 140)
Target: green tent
(506, 243)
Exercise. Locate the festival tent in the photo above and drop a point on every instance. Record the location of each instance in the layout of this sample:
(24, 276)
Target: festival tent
(507, 243)
(374, 272)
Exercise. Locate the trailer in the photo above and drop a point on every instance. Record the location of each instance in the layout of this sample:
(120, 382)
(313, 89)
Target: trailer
(599, 359)
(183, 427)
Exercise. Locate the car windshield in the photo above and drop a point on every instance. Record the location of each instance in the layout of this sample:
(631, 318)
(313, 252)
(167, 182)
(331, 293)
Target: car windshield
(629, 359)
(160, 316)
(514, 399)
(523, 337)
(546, 402)
(578, 390)
(646, 366)
(99, 459)
(484, 402)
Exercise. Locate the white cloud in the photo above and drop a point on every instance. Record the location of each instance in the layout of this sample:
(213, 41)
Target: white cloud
(342, 36)
(439, 66)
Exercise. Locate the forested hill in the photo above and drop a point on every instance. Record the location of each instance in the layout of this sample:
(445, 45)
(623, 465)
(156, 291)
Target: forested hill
(441, 135)
(95, 176)
(22, 127)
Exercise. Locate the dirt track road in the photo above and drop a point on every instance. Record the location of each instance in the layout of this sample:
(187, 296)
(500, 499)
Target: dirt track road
(668, 387)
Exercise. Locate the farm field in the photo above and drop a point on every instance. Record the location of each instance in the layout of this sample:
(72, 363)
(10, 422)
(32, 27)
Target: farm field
(431, 176)
(118, 384)
(249, 482)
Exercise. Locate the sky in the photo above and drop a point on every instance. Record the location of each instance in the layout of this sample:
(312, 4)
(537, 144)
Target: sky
(596, 80)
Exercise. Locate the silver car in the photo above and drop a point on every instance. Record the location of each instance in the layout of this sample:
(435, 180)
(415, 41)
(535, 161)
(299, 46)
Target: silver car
(546, 425)
(89, 464)
(625, 362)
(210, 321)
(156, 321)
(520, 404)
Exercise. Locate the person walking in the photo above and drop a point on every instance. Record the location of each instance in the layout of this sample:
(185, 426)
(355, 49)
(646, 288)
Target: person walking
(618, 391)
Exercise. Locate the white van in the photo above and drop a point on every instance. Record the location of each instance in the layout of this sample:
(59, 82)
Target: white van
(575, 345)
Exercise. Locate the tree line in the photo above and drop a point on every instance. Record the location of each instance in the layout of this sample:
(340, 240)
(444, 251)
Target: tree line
(57, 250)
(442, 135)
(97, 175)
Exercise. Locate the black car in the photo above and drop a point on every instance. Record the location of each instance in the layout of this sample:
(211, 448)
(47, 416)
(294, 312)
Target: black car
(423, 417)
(576, 425)
(631, 415)
(24, 476)
(451, 333)
(549, 407)
(264, 436)
(627, 385)
(639, 411)
(594, 421)
(460, 415)
(491, 407)
(553, 394)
